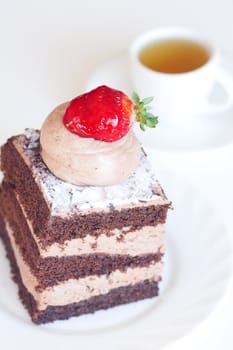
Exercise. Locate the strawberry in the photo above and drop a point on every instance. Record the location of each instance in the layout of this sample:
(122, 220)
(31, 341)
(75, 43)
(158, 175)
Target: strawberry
(106, 114)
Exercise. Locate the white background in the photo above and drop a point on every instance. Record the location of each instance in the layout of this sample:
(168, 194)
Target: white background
(50, 48)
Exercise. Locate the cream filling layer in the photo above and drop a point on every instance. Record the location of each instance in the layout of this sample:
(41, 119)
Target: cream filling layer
(147, 240)
(74, 291)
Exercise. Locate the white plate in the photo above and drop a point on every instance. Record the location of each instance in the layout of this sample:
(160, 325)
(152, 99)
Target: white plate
(203, 133)
(197, 269)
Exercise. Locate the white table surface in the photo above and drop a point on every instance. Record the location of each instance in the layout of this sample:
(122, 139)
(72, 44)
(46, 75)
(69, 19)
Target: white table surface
(48, 50)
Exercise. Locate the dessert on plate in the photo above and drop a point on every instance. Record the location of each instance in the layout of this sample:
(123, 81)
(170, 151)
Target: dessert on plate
(81, 212)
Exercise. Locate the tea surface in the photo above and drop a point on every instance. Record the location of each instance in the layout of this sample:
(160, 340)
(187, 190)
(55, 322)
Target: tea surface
(174, 56)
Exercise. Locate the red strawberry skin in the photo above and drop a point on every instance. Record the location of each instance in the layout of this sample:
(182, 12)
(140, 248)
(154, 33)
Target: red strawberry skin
(104, 114)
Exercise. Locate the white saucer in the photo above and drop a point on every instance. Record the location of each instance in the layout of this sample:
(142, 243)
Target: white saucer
(205, 133)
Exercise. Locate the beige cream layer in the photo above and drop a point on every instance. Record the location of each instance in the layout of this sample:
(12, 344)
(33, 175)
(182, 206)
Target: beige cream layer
(148, 240)
(86, 161)
(74, 291)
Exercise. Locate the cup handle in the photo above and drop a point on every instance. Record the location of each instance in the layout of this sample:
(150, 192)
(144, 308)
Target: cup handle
(225, 79)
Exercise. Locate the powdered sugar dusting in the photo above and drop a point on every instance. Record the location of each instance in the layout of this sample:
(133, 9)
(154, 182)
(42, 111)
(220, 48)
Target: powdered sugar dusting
(65, 198)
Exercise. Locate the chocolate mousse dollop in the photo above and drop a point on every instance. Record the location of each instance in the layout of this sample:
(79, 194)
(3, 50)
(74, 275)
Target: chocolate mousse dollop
(86, 161)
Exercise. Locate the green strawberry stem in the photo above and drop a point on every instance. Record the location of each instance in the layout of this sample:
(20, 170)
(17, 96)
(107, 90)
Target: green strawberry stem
(142, 112)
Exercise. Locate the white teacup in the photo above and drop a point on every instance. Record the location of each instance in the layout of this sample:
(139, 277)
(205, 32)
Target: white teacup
(182, 91)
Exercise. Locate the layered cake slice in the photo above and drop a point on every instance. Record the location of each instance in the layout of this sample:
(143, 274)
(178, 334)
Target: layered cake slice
(81, 218)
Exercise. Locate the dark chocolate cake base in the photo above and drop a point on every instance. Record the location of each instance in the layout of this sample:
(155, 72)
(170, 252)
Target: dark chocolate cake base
(118, 296)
